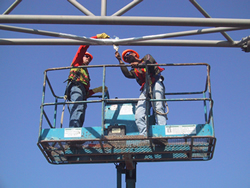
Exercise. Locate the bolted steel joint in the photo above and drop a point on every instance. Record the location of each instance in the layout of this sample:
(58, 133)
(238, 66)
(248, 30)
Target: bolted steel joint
(246, 45)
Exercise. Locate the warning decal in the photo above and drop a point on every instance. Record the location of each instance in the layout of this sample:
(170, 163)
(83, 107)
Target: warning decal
(180, 129)
(73, 132)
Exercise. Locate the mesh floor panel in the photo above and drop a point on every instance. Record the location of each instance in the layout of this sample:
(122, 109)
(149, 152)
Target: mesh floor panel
(113, 150)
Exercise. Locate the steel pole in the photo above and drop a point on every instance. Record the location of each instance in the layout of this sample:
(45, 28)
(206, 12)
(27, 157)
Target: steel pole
(117, 41)
(125, 20)
(160, 42)
(81, 8)
(104, 8)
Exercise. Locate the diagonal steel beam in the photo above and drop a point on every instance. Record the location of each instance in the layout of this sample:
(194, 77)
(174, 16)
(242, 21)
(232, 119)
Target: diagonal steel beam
(116, 41)
(162, 42)
(208, 16)
(176, 34)
(81, 8)
(50, 33)
(12, 7)
(127, 8)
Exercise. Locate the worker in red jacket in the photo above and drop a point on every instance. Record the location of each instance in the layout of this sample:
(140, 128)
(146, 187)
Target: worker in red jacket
(79, 84)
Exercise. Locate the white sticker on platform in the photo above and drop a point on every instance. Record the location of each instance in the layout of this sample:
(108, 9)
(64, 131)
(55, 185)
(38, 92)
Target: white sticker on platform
(113, 107)
(72, 132)
(126, 110)
(180, 129)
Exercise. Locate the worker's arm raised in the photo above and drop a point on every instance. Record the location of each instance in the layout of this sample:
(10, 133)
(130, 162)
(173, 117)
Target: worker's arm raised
(125, 70)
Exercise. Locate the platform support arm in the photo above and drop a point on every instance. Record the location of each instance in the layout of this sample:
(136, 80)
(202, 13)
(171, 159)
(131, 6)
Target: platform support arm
(119, 171)
(130, 175)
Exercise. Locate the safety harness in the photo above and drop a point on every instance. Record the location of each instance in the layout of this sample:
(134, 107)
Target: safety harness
(141, 79)
(77, 76)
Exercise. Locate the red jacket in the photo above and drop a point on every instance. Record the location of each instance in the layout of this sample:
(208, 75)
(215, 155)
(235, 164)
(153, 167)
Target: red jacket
(77, 61)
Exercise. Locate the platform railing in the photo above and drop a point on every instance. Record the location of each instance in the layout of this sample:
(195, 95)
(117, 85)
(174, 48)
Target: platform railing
(104, 98)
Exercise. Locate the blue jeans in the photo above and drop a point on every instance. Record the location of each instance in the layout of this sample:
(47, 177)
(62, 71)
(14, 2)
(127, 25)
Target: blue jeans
(140, 112)
(77, 111)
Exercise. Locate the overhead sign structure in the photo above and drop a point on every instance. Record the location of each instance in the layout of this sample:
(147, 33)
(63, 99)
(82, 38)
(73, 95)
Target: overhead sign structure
(220, 25)
(117, 140)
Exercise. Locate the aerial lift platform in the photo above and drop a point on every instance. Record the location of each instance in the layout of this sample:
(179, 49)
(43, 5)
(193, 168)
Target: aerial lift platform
(117, 139)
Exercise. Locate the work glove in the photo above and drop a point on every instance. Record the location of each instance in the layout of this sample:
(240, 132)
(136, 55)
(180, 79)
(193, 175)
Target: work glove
(102, 36)
(99, 89)
(65, 97)
(117, 55)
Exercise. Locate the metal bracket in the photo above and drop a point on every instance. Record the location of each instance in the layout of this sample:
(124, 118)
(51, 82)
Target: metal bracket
(245, 44)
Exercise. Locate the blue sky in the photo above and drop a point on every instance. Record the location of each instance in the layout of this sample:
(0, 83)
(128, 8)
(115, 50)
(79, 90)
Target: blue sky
(22, 163)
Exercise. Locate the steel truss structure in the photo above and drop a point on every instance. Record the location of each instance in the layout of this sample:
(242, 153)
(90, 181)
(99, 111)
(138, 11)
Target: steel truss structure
(217, 24)
(126, 150)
